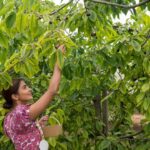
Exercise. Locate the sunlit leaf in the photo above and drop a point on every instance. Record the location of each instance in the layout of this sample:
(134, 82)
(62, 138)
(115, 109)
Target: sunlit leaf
(11, 20)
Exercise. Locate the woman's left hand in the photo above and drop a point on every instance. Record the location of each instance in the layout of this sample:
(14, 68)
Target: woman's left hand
(43, 121)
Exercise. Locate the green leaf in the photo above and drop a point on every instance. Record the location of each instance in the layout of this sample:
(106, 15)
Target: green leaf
(85, 134)
(136, 46)
(104, 144)
(6, 8)
(8, 78)
(33, 25)
(28, 70)
(28, 3)
(93, 16)
(145, 87)
(63, 145)
(12, 61)
(146, 104)
(52, 60)
(3, 40)
(67, 71)
(10, 20)
(17, 67)
(60, 59)
(146, 65)
(140, 97)
(123, 89)
(52, 142)
(21, 21)
(43, 83)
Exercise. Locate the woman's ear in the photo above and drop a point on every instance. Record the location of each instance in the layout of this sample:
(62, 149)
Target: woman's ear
(14, 97)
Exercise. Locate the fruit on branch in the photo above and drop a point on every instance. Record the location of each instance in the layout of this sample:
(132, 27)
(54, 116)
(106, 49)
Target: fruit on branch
(50, 22)
(88, 14)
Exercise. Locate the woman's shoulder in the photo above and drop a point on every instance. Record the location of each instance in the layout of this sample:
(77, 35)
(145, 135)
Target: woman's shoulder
(18, 111)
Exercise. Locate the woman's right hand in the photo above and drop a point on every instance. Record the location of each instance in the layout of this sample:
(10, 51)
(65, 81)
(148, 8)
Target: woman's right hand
(43, 121)
(62, 48)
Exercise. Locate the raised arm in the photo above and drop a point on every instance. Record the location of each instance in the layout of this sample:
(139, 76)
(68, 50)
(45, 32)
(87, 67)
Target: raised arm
(40, 105)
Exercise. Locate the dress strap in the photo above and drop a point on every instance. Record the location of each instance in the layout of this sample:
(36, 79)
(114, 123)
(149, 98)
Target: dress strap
(40, 129)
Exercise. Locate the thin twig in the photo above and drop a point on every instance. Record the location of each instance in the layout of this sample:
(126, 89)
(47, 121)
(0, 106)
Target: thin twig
(85, 7)
(131, 135)
(121, 5)
(138, 139)
(67, 14)
(106, 97)
(56, 11)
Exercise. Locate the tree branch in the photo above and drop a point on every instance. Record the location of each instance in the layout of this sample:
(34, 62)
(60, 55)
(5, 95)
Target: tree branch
(131, 135)
(56, 11)
(105, 114)
(107, 96)
(97, 106)
(147, 38)
(68, 13)
(121, 5)
(137, 139)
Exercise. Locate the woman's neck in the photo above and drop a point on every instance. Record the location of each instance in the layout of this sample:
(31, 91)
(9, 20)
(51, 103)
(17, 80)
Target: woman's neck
(18, 103)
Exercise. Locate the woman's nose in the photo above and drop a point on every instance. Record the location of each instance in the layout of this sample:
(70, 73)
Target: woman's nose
(30, 90)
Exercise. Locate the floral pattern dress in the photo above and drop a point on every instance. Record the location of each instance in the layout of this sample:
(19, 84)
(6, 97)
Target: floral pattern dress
(22, 131)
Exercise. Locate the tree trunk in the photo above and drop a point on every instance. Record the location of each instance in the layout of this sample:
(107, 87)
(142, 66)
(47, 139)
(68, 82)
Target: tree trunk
(105, 114)
(97, 106)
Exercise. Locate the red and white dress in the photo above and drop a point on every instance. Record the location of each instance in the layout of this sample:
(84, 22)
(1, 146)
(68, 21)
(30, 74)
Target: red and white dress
(22, 131)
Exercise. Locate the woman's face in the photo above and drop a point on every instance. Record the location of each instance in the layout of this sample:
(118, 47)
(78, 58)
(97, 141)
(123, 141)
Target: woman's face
(24, 92)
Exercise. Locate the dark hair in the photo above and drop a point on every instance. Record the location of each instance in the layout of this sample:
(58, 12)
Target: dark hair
(8, 93)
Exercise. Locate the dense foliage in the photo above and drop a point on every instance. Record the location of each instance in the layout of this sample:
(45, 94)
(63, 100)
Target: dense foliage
(105, 71)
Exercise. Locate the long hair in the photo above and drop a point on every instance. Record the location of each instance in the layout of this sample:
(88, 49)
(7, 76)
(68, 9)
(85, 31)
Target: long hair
(7, 94)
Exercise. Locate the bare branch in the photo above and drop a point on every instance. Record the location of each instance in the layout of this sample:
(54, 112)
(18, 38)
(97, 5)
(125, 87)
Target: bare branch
(121, 5)
(56, 11)
(106, 97)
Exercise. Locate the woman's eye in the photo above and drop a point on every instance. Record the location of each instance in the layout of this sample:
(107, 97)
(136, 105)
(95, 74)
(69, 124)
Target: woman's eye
(24, 86)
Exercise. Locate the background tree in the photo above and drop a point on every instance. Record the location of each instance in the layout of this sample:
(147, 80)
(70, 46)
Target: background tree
(106, 70)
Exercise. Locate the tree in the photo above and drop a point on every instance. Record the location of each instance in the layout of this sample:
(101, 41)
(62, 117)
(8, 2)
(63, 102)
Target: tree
(106, 70)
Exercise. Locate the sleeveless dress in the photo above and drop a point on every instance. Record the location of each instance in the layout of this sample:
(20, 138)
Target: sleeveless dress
(22, 131)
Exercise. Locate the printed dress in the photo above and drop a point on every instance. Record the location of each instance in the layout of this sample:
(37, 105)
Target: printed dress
(21, 129)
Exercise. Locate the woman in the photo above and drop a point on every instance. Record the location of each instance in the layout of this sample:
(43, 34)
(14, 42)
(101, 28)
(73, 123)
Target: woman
(20, 123)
